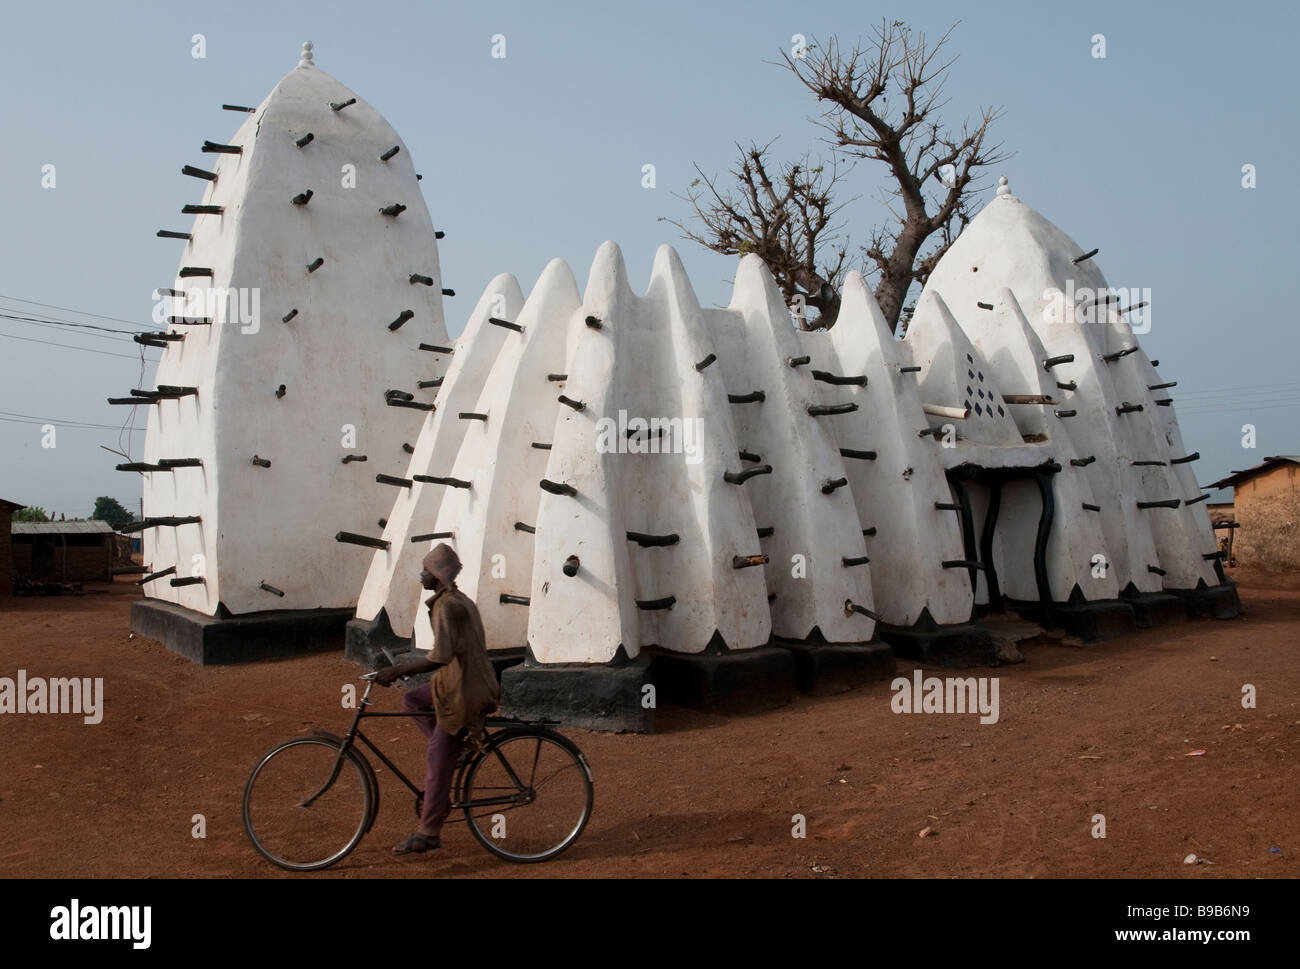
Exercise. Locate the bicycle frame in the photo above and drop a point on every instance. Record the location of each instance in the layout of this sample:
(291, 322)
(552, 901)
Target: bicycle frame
(354, 733)
(506, 739)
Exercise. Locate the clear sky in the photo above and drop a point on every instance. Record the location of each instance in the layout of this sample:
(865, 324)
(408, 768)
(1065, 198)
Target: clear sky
(540, 154)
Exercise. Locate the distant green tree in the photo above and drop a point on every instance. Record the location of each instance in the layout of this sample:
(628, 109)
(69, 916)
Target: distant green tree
(33, 514)
(110, 510)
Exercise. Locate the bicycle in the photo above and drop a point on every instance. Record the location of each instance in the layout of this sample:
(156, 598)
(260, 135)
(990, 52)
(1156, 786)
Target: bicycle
(320, 789)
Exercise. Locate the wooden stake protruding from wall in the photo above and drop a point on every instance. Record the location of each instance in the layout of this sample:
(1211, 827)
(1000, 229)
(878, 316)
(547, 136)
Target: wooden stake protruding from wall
(171, 570)
(653, 541)
(444, 480)
(740, 477)
(850, 607)
(351, 538)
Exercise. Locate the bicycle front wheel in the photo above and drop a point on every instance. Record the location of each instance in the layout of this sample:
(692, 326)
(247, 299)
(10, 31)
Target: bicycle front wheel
(528, 796)
(304, 809)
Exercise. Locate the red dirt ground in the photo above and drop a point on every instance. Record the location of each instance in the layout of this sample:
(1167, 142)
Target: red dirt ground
(1083, 730)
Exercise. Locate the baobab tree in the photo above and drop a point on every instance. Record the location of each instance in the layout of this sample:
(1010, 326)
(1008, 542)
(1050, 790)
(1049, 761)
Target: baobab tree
(881, 101)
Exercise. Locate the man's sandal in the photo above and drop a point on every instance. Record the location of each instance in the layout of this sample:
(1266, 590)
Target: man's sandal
(416, 843)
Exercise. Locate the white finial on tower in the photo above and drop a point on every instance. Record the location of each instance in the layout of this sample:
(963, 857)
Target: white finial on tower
(1003, 188)
(306, 55)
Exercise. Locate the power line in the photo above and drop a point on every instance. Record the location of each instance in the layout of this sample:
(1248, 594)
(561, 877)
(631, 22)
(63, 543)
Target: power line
(1239, 408)
(75, 425)
(65, 346)
(1243, 405)
(66, 309)
(55, 321)
(1209, 396)
(56, 326)
(50, 420)
(1244, 395)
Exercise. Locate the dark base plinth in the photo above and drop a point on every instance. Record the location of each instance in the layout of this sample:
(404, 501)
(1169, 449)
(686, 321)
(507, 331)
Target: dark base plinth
(593, 696)
(222, 640)
(503, 659)
(1091, 622)
(1094, 622)
(1156, 609)
(822, 669)
(368, 638)
(1216, 601)
(957, 645)
(734, 682)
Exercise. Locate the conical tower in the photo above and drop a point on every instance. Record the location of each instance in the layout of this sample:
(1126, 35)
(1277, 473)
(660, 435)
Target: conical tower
(1156, 541)
(296, 359)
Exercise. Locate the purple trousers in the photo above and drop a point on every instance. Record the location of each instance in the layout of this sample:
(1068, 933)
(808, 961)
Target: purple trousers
(440, 762)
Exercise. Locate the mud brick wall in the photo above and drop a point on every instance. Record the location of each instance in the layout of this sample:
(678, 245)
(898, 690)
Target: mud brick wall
(1268, 508)
(83, 563)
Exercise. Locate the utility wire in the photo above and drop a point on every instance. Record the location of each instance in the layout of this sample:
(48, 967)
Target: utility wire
(68, 346)
(55, 321)
(76, 425)
(51, 306)
(1234, 390)
(57, 327)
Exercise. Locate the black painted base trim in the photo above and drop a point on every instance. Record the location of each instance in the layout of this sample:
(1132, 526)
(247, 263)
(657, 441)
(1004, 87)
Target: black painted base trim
(1216, 601)
(367, 639)
(1092, 622)
(226, 639)
(594, 696)
(824, 669)
(733, 682)
(1156, 608)
(957, 645)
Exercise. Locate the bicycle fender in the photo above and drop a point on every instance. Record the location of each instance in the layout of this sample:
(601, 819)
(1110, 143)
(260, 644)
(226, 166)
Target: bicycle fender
(526, 731)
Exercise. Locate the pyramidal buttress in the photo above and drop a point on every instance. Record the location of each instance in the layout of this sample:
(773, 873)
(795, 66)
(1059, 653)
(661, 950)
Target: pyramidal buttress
(652, 494)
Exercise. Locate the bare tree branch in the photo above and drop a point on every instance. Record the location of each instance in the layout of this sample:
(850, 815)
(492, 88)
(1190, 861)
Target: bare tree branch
(784, 213)
(880, 102)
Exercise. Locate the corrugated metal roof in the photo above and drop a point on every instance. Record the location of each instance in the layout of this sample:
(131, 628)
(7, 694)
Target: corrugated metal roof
(1237, 477)
(62, 528)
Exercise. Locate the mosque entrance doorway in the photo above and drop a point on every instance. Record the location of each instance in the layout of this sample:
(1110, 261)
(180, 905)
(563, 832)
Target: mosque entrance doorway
(1006, 519)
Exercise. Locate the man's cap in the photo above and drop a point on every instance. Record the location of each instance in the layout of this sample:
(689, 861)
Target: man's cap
(443, 563)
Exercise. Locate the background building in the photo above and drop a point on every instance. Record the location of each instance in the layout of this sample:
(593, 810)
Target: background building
(76, 551)
(1266, 506)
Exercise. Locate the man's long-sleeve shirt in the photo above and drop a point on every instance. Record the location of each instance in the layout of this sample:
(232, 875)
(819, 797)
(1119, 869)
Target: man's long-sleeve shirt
(465, 688)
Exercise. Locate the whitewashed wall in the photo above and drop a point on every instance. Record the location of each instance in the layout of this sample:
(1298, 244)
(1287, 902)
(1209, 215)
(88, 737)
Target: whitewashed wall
(335, 358)
(624, 356)
(1010, 245)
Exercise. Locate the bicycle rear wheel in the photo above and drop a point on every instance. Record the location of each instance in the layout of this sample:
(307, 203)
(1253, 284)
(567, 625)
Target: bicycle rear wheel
(528, 796)
(295, 815)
